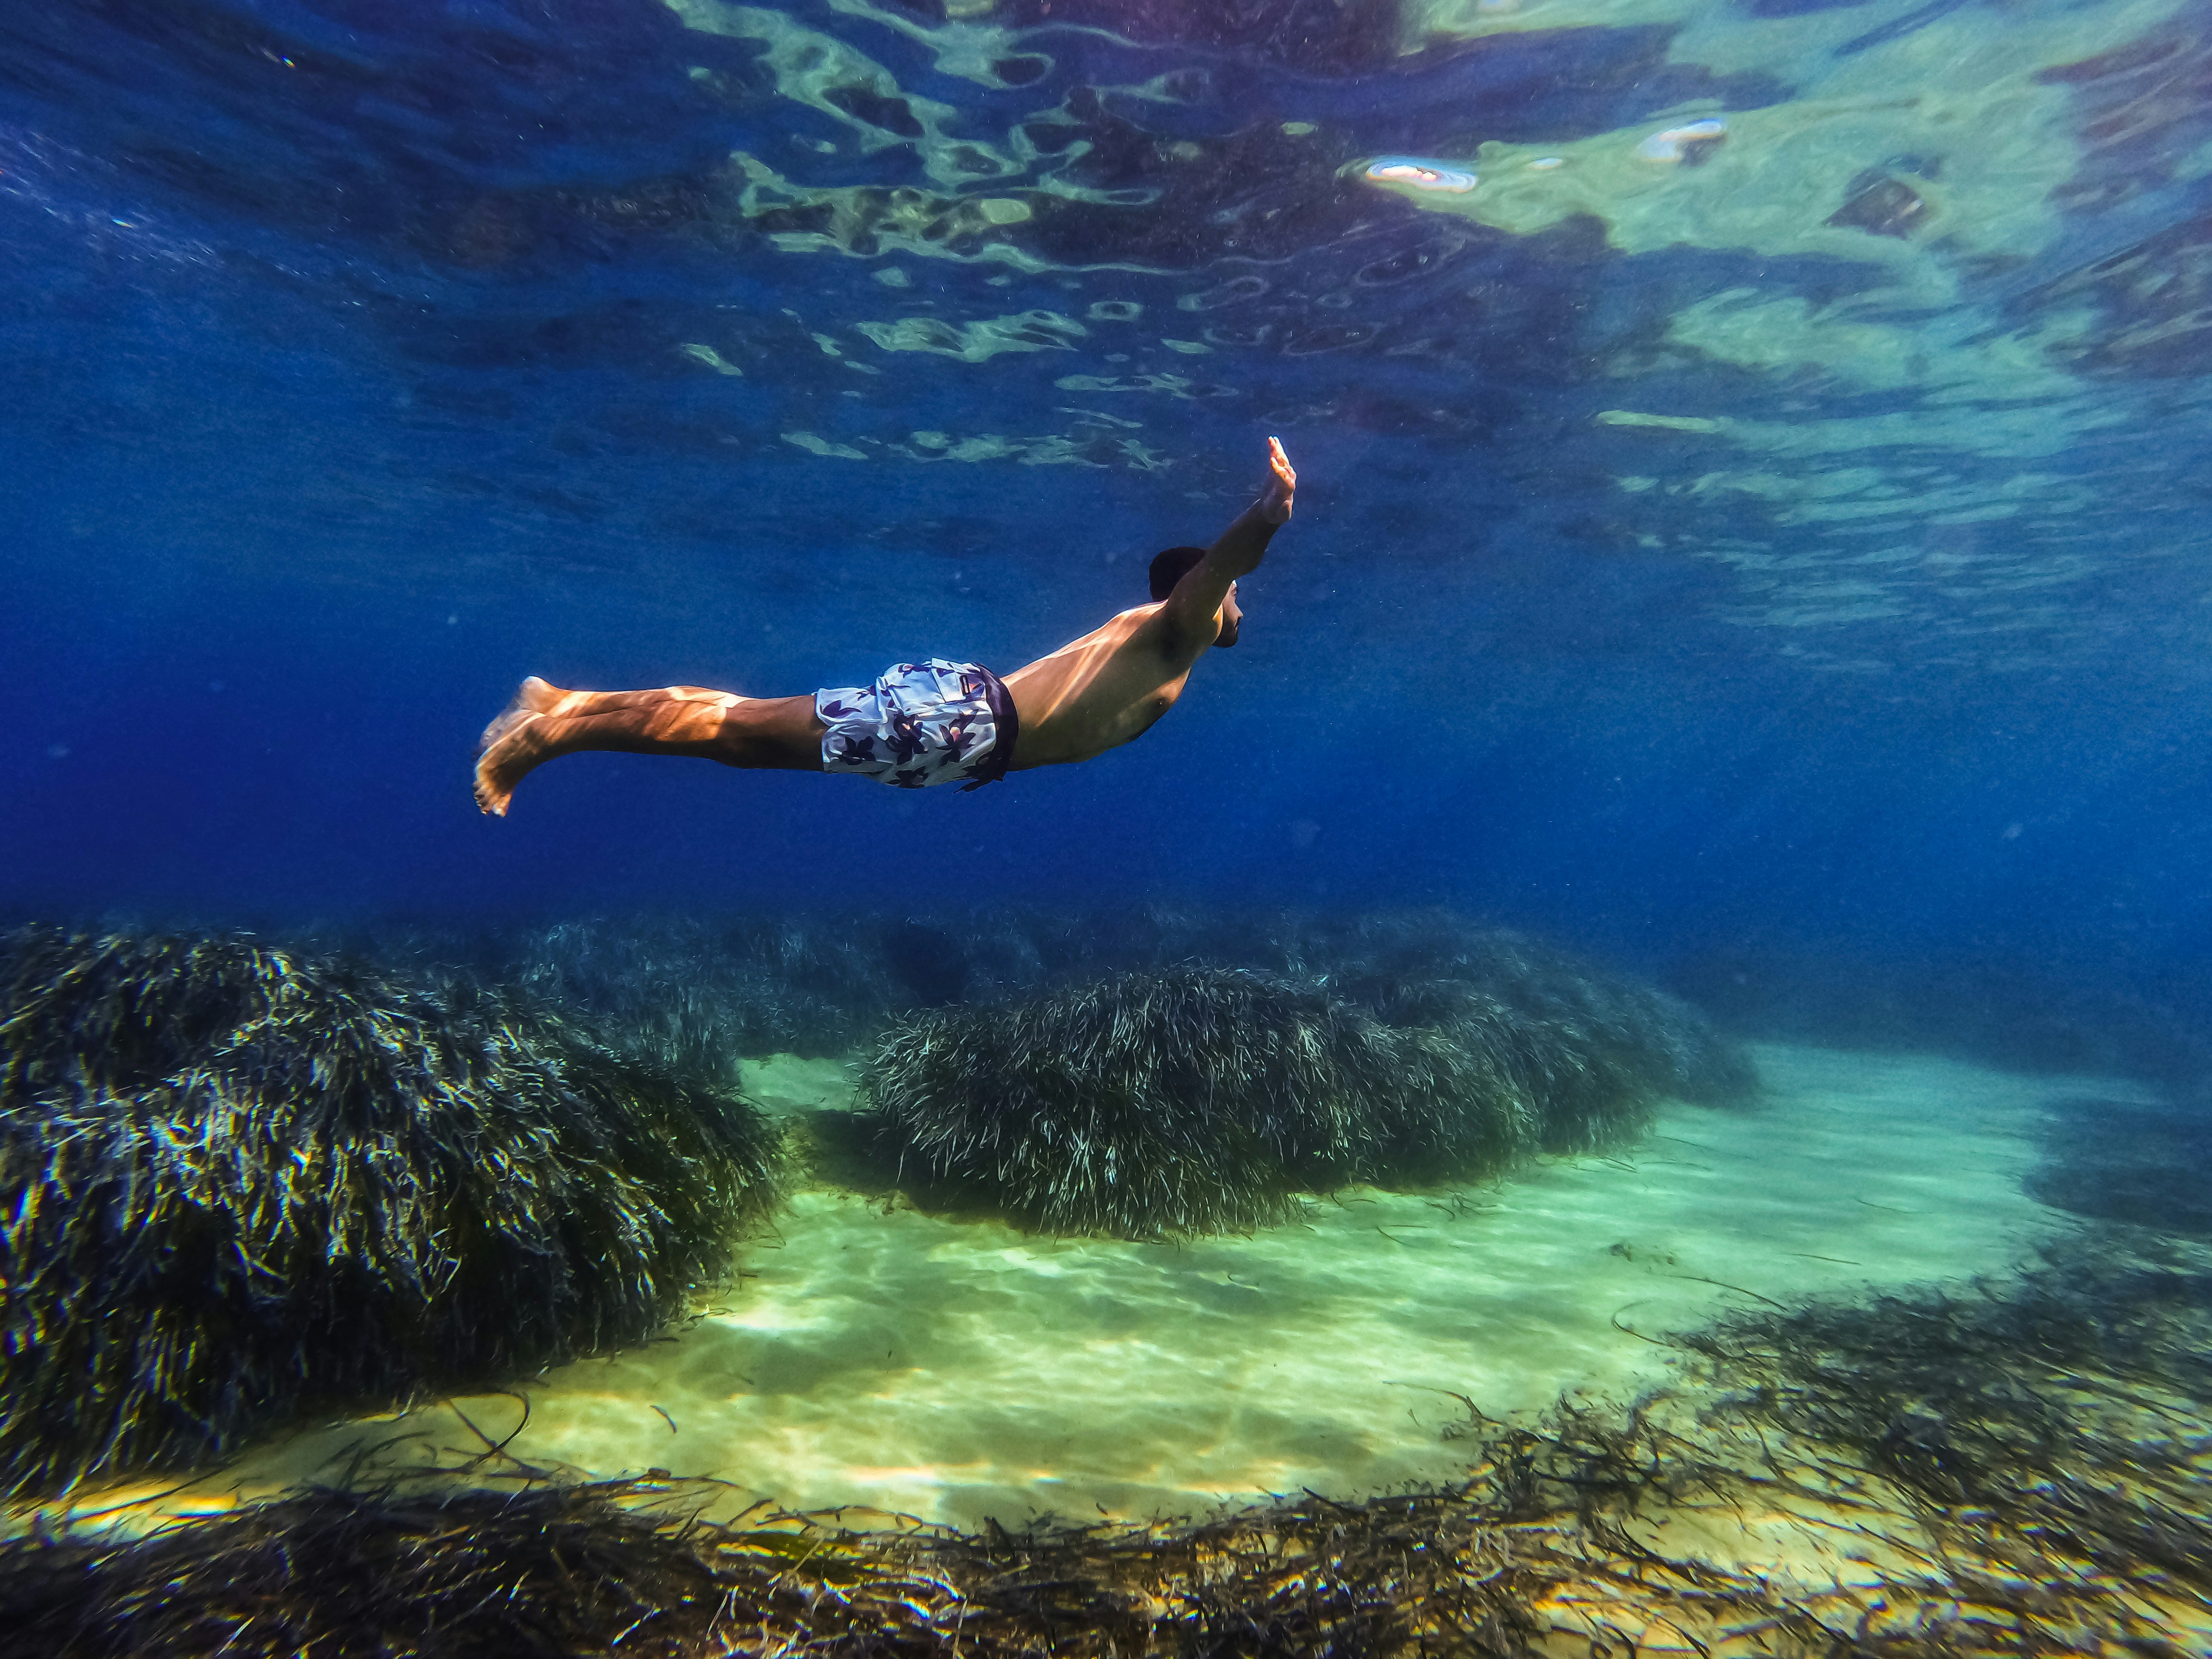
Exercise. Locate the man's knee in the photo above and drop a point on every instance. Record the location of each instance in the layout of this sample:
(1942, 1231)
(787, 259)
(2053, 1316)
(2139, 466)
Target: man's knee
(778, 734)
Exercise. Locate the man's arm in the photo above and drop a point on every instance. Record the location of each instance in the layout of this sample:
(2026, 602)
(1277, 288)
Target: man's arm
(1189, 611)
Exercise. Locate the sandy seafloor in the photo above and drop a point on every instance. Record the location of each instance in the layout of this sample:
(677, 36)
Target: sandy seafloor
(953, 1371)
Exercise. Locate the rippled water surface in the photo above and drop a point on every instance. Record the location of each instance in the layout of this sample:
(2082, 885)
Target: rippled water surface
(1773, 482)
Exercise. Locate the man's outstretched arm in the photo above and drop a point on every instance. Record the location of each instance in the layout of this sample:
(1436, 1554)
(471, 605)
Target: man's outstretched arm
(1190, 609)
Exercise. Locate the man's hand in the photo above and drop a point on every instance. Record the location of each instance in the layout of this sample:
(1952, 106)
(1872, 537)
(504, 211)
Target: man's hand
(1274, 502)
(1192, 610)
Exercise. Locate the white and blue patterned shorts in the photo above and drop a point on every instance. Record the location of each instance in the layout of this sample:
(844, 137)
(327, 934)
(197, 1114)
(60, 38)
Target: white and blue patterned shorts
(921, 725)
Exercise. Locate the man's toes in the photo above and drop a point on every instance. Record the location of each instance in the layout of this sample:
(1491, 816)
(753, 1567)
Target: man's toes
(490, 799)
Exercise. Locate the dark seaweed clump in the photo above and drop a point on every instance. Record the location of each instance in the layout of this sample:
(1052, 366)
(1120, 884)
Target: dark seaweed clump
(553, 1572)
(2141, 1162)
(699, 993)
(2018, 1468)
(1603, 1035)
(2049, 1435)
(235, 1182)
(1201, 1100)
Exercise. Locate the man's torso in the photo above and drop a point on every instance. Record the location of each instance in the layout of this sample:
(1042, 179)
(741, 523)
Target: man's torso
(1099, 692)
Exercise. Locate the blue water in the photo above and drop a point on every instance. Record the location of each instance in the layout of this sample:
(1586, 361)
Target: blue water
(362, 358)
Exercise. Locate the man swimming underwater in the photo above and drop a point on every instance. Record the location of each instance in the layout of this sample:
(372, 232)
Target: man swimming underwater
(931, 722)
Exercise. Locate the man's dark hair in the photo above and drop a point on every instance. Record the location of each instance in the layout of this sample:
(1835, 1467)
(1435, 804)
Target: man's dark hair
(1171, 567)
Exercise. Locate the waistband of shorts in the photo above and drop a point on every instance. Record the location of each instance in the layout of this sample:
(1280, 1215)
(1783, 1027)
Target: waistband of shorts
(1006, 726)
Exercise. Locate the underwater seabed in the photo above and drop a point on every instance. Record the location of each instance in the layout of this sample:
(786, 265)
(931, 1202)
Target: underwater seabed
(956, 1370)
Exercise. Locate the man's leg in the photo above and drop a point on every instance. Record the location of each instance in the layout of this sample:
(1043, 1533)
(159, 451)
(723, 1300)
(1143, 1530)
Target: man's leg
(764, 733)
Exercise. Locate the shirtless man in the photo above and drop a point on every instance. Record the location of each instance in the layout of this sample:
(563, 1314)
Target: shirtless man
(924, 723)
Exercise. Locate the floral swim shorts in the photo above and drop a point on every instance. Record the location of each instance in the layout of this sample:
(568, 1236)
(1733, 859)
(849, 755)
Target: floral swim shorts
(921, 724)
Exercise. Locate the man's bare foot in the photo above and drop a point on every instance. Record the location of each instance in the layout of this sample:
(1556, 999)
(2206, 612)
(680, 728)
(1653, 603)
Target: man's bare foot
(532, 697)
(510, 745)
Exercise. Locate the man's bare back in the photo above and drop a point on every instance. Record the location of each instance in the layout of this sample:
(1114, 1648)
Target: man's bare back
(923, 723)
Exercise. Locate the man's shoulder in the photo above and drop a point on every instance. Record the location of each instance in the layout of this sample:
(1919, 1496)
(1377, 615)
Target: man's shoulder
(1124, 625)
(1115, 632)
(1142, 621)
